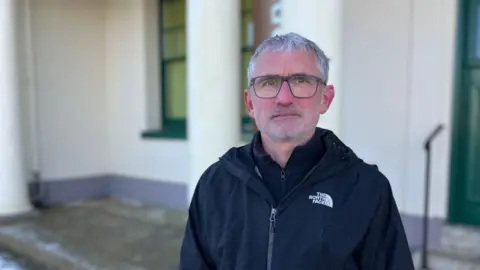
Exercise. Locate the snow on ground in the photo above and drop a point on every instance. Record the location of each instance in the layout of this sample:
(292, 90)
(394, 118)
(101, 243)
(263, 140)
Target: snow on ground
(7, 262)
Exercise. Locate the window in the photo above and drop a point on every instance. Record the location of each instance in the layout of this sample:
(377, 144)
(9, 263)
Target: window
(247, 52)
(173, 67)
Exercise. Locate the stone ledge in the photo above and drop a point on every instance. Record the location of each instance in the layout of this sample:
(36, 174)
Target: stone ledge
(459, 249)
(461, 239)
(439, 259)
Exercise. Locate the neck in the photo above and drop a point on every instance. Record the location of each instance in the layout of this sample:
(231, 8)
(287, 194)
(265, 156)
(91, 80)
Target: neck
(281, 150)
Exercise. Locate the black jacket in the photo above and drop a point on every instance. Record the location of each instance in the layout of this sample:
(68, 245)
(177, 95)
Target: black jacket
(342, 215)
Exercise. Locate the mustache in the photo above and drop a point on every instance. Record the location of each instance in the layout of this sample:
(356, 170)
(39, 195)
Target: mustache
(285, 111)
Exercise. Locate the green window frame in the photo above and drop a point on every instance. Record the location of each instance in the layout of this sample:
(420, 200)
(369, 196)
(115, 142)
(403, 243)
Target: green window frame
(173, 59)
(173, 68)
(247, 38)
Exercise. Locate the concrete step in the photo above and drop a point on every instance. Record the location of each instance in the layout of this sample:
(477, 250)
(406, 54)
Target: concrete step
(440, 259)
(459, 250)
(461, 239)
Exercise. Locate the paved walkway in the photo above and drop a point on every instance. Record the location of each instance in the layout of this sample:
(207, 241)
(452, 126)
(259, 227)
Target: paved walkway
(13, 261)
(114, 234)
(104, 234)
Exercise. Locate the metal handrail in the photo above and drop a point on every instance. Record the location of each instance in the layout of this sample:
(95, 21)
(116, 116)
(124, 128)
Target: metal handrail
(427, 148)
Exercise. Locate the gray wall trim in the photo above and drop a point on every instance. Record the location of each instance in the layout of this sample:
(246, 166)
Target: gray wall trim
(169, 194)
(69, 190)
(175, 196)
(146, 191)
(414, 229)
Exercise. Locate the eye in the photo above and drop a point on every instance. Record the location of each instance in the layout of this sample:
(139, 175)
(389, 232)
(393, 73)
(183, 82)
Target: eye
(299, 79)
(306, 80)
(268, 82)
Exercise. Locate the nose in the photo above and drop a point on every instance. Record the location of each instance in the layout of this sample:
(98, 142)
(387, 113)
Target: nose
(284, 96)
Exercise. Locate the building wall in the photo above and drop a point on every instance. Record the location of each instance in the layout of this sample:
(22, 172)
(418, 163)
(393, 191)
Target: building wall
(131, 80)
(68, 79)
(95, 74)
(95, 78)
(25, 83)
(397, 83)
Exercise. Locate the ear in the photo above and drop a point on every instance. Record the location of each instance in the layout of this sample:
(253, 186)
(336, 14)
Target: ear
(248, 102)
(327, 98)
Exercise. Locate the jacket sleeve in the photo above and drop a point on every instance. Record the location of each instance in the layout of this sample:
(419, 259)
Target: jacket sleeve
(194, 253)
(385, 245)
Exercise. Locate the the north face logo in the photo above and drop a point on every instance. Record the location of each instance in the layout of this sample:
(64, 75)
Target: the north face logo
(322, 198)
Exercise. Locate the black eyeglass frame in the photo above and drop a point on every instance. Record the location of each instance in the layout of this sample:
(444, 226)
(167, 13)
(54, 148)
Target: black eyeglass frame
(318, 80)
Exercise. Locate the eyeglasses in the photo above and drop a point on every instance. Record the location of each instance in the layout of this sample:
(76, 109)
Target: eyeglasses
(301, 86)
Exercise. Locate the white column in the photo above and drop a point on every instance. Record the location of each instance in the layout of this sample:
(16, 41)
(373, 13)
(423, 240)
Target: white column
(13, 184)
(321, 22)
(213, 82)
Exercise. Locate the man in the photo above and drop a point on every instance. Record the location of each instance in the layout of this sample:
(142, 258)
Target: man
(296, 197)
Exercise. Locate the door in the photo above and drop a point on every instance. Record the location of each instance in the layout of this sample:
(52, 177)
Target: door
(465, 178)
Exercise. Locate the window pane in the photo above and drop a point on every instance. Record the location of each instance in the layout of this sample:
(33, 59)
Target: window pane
(247, 29)
(246, 56)
(181, 43)
(244, 109)
(169, 44)
(168, 13)
(181, 12)
(173, 32)
(246, 4)
(174, 43)
(247, 40)
(176, 98)
(245, 60)
(173, 13)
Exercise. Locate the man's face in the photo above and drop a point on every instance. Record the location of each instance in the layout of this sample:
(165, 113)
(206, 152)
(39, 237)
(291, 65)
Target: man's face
(286, 117)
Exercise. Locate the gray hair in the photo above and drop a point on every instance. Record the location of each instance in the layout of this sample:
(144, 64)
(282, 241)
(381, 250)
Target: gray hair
(290, 42)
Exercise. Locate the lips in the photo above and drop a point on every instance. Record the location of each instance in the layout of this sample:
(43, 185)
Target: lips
(285, 115)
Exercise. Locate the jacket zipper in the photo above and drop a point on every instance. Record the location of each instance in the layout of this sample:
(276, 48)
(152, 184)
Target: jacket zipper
(283, 182)
(271, 238)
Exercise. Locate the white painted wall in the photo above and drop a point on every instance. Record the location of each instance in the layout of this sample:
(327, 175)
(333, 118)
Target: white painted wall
(321, 23)
(431, 99)
(95, 73)
(391, 70)
(13, 195)
(376, 72)
(69, 57)
(206, 21)
(25, 82)
(128, 84)
(397, 84)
